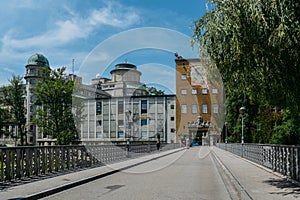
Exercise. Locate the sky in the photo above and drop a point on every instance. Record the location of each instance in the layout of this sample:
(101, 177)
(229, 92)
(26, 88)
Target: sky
(97, 34)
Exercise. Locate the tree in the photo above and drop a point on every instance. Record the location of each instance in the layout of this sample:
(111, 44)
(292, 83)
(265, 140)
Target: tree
(54, 99)
(14, 100)
(255, 46)
(154, 91)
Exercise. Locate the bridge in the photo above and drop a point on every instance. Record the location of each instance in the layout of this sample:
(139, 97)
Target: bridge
(203, 172)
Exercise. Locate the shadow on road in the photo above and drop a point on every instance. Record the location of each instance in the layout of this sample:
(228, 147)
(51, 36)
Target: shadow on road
(292, 188)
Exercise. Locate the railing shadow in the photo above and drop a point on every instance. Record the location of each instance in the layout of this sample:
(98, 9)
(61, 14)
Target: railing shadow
(293, 188)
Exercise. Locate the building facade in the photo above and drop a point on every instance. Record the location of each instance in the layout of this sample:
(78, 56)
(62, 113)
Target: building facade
(126, 113)
(136, 118)
(199, 99)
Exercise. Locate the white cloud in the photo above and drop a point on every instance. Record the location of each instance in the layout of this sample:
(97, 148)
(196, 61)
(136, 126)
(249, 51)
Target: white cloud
(114, 15)
(65, 31)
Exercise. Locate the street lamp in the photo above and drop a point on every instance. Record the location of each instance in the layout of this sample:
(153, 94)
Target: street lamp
(226, 124)
(242, 111)
(128, 124)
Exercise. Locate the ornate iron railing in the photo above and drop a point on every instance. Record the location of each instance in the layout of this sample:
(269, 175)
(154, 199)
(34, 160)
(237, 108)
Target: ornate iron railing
(280, 158)
(28, 162)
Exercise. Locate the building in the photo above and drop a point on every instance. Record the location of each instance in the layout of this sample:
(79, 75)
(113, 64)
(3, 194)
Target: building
(199, 100)
(127, 113)
(36, 65)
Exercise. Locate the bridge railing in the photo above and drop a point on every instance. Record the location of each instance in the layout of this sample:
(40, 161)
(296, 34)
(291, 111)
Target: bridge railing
(28, 162)
(283, 159)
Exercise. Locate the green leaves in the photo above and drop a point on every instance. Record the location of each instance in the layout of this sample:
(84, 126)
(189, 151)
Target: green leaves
(54, 116)
(13, 99)
(255, 46)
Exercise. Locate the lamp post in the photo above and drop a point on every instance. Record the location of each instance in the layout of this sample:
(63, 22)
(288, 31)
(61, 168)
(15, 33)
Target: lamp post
(226, 124)
(242, 111)
(128, 123)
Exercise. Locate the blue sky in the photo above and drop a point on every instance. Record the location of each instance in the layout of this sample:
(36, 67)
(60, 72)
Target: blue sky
(87, 31)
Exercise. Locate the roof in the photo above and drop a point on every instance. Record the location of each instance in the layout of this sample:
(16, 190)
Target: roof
(38, 59)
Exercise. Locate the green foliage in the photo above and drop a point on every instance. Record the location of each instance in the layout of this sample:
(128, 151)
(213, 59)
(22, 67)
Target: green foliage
(14, 101)
(154, 91)
(255, 46)
(54, 115)
(287, 131)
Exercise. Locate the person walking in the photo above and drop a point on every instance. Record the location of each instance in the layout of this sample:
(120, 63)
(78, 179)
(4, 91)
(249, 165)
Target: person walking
(158, 142)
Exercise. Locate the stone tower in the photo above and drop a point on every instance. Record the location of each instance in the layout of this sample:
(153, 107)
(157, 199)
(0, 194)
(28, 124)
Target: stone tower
(36, 63)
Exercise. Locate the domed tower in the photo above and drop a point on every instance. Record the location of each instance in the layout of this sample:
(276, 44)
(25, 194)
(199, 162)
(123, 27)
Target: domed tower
(36, 63)
(125, 81)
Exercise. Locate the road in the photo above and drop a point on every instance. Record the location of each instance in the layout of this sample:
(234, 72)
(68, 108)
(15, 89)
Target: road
(190, 174)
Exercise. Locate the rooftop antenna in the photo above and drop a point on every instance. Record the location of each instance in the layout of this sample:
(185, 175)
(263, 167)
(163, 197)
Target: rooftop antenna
(73, 61)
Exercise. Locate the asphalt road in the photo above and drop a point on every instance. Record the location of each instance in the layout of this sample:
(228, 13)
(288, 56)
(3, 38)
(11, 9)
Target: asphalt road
(191, 174)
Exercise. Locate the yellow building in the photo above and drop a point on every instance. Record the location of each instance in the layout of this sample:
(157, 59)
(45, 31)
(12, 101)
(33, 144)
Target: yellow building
(200, 97)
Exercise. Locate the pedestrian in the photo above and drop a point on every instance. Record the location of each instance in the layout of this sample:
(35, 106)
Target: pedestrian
(158, 144)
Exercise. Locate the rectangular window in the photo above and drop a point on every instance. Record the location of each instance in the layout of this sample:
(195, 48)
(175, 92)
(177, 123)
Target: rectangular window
(120, 134)
(143, 122)
(172, 130)
(120, 122)
(183, 109)
(204, 91)
(120, 107)
(194, 91)
(215, 108)
(98, 108)
(183, 92)
(144, 134)
(215, 91)
(194, 108)
(98, 134)
(204, 108)
(143, 106)
(172, 107)
(183, 77)
(172, 118)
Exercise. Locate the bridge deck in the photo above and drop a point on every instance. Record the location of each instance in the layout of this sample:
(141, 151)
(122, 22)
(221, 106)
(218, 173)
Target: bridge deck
(234, 178)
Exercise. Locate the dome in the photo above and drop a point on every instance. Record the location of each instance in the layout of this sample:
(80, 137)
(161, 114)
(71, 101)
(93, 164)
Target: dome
(38, 59)
(125, 66)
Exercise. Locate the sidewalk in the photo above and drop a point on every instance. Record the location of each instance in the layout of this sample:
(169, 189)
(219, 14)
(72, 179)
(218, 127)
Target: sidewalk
(253, 181)
(48, 186)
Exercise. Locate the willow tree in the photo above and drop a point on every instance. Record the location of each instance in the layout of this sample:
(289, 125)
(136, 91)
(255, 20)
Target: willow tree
(255, 46)
(54, 98)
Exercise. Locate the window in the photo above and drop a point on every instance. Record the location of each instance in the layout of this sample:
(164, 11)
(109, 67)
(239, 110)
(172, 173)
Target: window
(172, 130)
(98, 108)
(144, 106)
(183, 77)
(172, 107)
(183, 109)
(215, 91)
(143, 122)
(215, 108)
(120, 134)
(194, 91)
(194, 108)
(204, 108)
(144, 134)
(120, 122)
(120, 107)
(183, 92)
(172, 118)
(204, 91)
(98, 134)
